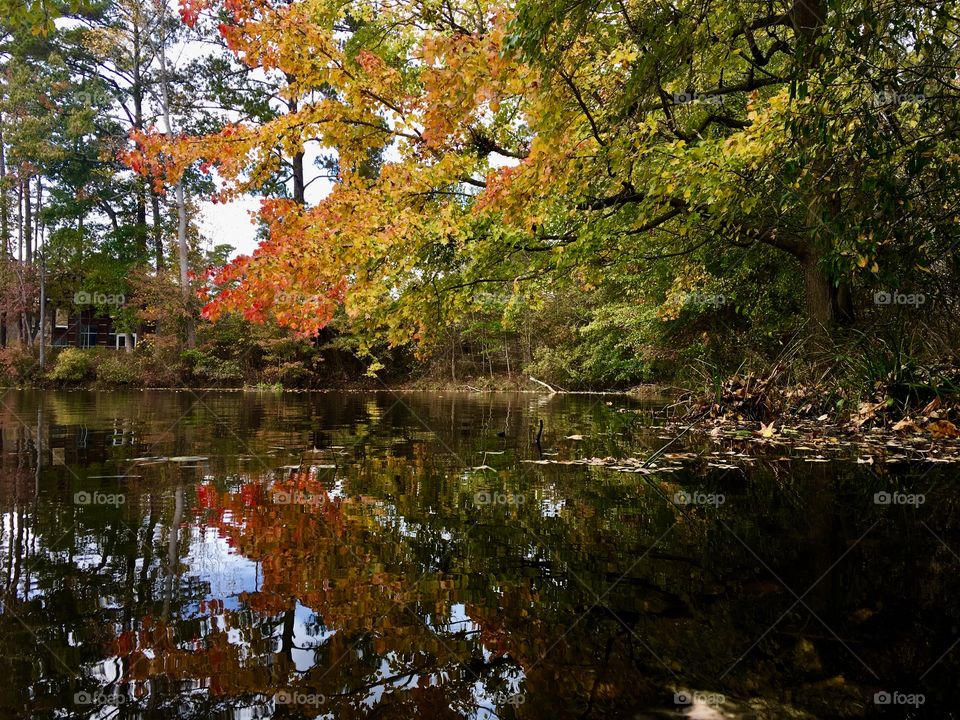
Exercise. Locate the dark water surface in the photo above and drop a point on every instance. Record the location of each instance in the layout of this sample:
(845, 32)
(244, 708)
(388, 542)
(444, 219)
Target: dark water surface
(349, 555)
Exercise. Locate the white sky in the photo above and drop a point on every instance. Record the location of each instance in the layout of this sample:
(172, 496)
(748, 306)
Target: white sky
(231, 223)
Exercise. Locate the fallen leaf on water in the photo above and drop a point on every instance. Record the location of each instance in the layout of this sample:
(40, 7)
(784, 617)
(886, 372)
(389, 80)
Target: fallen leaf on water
(767, 430)
(866, 411)
(906, 425)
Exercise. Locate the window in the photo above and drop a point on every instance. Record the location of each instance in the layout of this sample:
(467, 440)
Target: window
(122, 341)
(88, 336)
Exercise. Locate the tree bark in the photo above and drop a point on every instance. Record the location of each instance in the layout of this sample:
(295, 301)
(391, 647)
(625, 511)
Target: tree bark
(20, 222)
(157, 230)
(299, 187)
(27, 221)
(829, 304)
(28, 257)
(7, 251)
(191, 340)
(296, 162)
(184, 266)
(141, 221)
(137, 91)
(43, 315)
(37, 220)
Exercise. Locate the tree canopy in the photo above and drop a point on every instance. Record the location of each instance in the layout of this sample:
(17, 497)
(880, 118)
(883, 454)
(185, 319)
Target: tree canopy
(539, 145)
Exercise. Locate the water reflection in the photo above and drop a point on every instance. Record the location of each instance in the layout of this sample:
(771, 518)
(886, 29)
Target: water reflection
(373, 555)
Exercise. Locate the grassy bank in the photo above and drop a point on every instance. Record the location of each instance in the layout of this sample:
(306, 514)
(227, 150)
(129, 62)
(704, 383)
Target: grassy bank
(864, 380)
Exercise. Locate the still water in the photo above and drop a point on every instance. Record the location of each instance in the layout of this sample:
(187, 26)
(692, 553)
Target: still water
(360, 555)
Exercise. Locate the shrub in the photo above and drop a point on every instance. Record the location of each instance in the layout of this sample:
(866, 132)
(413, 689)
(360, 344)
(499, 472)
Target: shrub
(288, 374)
(209, 368)
(72, 365)
(117, 368)
(221, 371)
(158, 361)
(16, 365)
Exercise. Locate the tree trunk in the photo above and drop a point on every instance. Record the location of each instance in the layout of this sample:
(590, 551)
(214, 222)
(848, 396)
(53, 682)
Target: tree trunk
(828, 304)
(184, 267)
(43, 314)
(28, 257)
(7, 251)
(287, 633)
(173, 551)
(141, 221)
(138, 93)
(27, 221)
(161, 50)
(37, 220)
(157, 230)
(299, 187)
(299, 184)
(20, 222)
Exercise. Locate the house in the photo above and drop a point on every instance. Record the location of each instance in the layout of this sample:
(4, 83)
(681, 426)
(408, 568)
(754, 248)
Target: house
(70, 327)
(83, 328)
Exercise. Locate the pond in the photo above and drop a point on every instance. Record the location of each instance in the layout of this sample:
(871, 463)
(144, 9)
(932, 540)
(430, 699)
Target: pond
(205, 554)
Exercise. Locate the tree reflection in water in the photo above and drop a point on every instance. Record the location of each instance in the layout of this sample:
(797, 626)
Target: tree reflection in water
(360, 555)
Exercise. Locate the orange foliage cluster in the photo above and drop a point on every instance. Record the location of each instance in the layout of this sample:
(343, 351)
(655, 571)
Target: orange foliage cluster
(357, 247)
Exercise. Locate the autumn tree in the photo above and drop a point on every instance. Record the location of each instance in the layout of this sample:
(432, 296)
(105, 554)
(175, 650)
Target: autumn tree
(552, 144)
